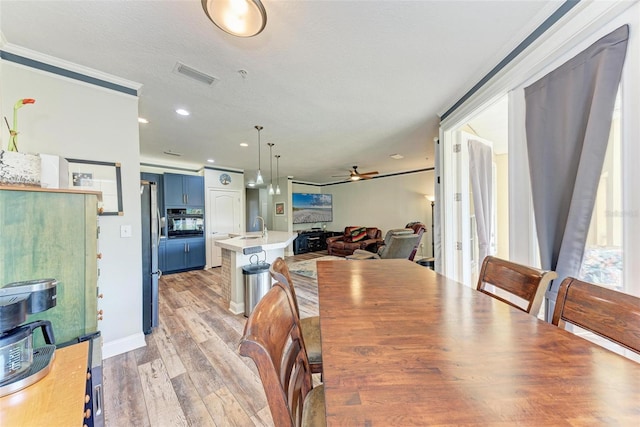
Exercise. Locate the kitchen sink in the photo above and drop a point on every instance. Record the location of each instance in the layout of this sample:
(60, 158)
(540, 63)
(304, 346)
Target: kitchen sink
(250, 237)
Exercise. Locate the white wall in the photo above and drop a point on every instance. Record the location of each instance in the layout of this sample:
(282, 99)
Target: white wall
(384, 202)
(78, 120)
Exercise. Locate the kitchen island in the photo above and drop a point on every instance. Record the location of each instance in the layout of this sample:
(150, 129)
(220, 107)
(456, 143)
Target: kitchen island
(233, 259)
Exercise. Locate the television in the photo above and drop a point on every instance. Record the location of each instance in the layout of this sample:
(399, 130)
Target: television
(310, 208)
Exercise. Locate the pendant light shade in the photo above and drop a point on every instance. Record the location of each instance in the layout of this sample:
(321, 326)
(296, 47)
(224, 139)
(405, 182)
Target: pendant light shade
(241, 18)
(259, 180)
(277, 173)
(271, 144)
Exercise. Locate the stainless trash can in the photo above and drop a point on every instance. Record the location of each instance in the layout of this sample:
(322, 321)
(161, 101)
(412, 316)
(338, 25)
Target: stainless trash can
(257, 282)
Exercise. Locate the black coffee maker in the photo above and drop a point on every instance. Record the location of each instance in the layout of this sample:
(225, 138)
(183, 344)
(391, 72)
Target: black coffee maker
(20, 364)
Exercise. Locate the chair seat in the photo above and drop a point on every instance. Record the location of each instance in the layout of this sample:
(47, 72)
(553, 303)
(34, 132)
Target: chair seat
(311, 334)
(313, 412)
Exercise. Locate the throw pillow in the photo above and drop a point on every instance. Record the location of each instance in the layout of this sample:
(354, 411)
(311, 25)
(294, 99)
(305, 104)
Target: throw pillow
(359, 233)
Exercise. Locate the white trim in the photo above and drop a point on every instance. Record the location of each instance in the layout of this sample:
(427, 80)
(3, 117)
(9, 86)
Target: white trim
(123, 345)
(585, 19)
(70, 66)
(236, 308)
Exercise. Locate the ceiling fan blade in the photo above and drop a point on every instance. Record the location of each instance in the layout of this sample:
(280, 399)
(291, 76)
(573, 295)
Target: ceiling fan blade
(368, 173)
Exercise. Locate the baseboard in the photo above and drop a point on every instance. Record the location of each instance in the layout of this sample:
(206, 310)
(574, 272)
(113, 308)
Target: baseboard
(236, 308)
(123, 345)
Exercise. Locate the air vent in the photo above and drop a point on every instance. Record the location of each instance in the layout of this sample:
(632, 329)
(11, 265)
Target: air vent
(172, 153)
(194, 74)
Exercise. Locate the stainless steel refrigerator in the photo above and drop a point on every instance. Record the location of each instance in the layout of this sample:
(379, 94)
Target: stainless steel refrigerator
(150, 242)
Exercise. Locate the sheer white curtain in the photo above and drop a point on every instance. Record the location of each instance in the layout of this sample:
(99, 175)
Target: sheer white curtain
(481, 177)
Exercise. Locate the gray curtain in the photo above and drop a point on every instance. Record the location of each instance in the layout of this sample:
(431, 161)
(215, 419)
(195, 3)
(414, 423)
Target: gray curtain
(480, 175)
(568, 120)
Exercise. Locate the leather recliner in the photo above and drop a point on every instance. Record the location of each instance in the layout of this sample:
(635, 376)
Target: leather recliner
(366, 238)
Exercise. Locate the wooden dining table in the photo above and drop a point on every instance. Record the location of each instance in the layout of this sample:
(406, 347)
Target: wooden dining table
(405, 346)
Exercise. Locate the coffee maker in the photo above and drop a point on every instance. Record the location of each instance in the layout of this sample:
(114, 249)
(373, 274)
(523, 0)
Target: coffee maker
(20, 364)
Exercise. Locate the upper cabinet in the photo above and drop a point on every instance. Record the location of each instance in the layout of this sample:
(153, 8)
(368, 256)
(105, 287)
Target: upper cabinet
(183, 190)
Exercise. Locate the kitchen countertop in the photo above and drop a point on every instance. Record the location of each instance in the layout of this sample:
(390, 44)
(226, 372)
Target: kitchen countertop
(273, 240)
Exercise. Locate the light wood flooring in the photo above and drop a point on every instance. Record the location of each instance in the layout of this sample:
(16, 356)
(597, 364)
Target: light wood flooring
(190, 372)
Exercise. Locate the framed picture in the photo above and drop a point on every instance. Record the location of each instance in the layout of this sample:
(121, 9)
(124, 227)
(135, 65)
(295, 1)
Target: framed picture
(280, 209)
(98, 176)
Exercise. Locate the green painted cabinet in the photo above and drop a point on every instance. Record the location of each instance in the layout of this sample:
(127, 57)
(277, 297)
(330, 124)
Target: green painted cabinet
(50, 234)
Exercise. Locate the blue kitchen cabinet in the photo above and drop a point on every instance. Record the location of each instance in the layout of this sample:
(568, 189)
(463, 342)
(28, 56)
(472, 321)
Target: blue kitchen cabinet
(184, 254)
(183, 190)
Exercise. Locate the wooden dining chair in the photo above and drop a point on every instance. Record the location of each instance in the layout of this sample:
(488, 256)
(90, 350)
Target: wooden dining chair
(611, 314)
(272, 338)
(510, 278)
(310, 325)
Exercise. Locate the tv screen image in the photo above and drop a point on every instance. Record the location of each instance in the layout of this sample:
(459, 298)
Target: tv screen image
(310, 208)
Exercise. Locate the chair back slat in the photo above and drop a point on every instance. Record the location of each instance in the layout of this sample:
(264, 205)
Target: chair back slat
(611, 314)
(280, 273)
(272, 338)
(527, 283)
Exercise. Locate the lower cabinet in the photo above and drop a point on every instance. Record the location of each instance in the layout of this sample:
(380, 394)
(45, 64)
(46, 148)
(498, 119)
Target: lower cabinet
(311, 241)
(184, 254)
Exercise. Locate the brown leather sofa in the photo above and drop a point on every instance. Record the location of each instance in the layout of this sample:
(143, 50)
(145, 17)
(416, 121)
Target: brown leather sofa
(354, 237)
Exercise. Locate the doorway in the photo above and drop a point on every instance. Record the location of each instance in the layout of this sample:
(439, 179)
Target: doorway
(224, 218)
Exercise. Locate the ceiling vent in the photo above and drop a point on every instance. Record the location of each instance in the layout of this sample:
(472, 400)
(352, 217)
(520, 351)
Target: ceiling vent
(172, 153)
(194, 74)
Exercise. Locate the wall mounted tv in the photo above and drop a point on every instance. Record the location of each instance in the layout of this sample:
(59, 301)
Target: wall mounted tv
(309, 208)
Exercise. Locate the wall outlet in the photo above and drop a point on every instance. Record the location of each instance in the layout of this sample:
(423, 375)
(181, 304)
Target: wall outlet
(126, 231)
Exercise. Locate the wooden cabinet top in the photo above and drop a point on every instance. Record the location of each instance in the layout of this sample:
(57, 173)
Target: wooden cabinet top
(49, 190)
(57, 399)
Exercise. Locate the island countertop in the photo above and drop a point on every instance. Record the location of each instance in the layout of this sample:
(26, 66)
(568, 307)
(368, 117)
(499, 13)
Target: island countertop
(273, 240)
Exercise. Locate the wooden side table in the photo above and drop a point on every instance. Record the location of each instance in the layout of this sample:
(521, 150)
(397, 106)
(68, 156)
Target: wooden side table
(57, 399)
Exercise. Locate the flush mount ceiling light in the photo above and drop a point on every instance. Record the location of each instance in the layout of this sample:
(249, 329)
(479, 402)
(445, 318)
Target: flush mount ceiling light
(182, 112)
(242, 18)
(259, 180)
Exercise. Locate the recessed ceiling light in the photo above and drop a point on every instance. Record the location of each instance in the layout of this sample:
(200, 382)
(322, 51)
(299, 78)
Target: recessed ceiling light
(244, 144)
(397, 156)
(142, 120)
(210, 160)
(251, 184)
(182, 112)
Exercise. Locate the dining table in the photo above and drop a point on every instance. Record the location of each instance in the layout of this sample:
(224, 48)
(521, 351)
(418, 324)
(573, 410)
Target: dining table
(403, 345)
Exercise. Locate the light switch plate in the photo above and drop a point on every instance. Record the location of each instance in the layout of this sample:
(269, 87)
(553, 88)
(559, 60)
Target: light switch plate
(125, 231)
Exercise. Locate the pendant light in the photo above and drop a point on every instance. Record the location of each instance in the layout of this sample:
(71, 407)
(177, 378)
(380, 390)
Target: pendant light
(259, 180)
(277, 173)
(271, 144)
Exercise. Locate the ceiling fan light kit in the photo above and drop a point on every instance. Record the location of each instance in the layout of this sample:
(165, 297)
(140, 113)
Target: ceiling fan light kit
(241, 18)
(354, 175)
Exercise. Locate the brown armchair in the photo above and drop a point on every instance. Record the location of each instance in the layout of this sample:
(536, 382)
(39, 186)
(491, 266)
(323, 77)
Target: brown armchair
(366, 238)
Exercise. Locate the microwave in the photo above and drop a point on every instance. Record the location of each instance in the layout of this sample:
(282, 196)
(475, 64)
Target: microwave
(185, 222)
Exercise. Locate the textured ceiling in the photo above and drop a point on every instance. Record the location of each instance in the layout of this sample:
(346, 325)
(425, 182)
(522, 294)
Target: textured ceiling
(334, 83)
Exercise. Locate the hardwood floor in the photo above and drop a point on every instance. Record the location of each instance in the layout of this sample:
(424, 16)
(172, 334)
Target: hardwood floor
(190, 372)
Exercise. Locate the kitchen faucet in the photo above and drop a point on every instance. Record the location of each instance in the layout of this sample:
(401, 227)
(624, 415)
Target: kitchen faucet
(264, 228)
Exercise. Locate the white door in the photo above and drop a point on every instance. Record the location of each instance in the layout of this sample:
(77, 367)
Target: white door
(224, 217)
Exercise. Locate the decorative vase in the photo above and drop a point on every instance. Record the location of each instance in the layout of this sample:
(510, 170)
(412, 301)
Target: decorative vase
(19, 168)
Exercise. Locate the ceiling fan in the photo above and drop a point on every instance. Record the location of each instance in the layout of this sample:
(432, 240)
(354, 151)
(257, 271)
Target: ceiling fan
(354, 175)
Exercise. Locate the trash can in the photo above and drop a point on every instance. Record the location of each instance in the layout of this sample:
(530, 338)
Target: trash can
(257, 282)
